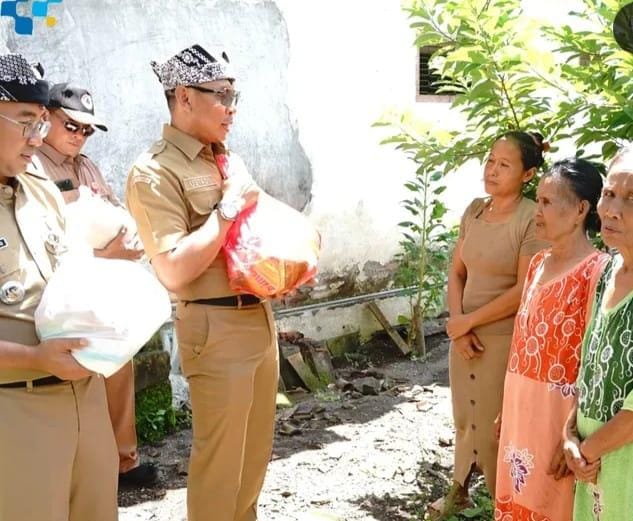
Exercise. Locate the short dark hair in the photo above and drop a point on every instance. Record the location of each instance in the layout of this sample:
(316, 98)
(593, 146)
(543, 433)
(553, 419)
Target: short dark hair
(530, 145)
(585, 181)
(170, 96)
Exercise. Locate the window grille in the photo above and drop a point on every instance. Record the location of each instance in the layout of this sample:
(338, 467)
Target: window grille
(428, 81)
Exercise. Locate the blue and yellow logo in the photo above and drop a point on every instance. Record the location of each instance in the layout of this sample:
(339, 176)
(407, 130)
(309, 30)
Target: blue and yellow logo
(23, 23)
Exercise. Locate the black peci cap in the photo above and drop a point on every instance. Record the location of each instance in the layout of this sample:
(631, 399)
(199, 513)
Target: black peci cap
(21, 81)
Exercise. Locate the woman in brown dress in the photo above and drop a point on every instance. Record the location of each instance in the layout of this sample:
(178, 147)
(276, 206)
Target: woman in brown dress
(490, 261)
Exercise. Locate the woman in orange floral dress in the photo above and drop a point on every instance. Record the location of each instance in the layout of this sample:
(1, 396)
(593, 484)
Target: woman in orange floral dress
(533, 482)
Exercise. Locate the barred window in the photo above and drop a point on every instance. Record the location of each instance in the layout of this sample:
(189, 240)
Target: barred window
(427, 80)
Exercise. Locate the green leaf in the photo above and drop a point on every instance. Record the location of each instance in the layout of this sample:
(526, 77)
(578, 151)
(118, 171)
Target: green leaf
(403, 321)
(609, 149)
(471, 513)
(571, 85)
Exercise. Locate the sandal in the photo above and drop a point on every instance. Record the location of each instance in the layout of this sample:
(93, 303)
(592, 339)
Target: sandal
(451, 504)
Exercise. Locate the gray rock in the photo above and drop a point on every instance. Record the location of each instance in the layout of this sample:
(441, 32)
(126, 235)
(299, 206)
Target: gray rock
(368, 385)
(179, 391)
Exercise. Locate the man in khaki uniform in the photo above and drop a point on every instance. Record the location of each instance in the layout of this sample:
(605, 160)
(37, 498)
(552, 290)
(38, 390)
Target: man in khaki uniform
(183, 208)
(73, 121)
(57, 449)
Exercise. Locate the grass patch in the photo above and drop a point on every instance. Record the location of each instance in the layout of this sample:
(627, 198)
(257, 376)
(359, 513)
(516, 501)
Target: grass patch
(484, 509)
(155, 415)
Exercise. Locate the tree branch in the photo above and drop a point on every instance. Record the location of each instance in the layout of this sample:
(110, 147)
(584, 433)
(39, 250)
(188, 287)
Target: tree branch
(509, 100)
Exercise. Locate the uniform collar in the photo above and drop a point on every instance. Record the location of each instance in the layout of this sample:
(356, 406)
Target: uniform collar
(35, 169)
(187, 144)
(7, 192)
(53, 154)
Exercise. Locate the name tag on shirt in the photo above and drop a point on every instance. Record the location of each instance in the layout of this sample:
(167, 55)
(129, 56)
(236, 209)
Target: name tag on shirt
(196, 183)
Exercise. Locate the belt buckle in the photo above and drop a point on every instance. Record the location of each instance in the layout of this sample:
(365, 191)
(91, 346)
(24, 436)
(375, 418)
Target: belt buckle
(239, 301)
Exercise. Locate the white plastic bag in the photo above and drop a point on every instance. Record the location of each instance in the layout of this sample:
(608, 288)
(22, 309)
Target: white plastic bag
(117, 305)
(93, 220)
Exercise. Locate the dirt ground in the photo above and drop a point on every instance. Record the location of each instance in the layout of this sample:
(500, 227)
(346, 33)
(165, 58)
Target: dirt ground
(340, 455)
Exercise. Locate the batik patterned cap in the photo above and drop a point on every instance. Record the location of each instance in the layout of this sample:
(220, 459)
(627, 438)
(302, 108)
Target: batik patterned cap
(21, 81)
(192, 66)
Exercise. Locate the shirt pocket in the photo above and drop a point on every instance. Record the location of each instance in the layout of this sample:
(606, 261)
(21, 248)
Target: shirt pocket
(202, 201)
(9, 255)
(55, 243)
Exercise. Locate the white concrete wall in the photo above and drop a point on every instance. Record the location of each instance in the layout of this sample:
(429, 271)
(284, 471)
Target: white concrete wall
(314, 77)
(325, 324)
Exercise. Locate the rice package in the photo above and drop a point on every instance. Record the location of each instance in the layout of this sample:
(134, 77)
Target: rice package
(93, 220)
(117, 305)
(271, 249)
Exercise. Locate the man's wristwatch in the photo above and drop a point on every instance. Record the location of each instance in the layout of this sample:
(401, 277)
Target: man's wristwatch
(228, 210)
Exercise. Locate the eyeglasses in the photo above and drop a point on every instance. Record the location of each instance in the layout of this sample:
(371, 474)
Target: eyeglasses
(37, 128)
(73, 128)
(227, 97)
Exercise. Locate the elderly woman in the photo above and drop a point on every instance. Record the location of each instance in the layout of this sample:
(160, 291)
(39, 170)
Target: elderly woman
(601, 455)
(533, 481)
(496, 242)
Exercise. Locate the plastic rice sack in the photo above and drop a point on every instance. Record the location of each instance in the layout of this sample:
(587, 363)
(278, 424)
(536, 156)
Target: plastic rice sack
(117, 305)
(93, 220)
(271, 249)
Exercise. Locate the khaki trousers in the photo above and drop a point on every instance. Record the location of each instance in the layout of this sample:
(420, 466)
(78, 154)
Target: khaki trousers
(229, 357)
(120, 394)
(57, 454)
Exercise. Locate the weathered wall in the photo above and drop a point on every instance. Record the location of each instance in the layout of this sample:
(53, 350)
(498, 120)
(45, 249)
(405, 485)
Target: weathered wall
(107, 45)
(350, 61)
(314, 77)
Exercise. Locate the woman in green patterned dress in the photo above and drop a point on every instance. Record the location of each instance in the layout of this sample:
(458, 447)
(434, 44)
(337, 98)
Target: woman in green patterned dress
(599, 448)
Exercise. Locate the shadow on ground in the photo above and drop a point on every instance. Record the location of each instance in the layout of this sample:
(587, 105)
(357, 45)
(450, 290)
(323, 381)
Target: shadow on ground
(414, 506)
(314, 431)
(392, 508)
(335, 408)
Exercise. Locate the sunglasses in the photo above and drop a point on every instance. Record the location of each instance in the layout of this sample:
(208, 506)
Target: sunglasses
(73, 128)
(227, 97)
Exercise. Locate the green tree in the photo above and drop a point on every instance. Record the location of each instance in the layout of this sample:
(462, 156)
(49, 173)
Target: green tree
(569, 82)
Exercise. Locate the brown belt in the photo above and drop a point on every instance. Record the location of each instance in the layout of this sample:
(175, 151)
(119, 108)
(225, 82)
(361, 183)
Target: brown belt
(235, 301)
(49, 380)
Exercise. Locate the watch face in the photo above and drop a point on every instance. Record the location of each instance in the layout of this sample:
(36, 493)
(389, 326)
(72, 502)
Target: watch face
(229, 211)
(233, 210)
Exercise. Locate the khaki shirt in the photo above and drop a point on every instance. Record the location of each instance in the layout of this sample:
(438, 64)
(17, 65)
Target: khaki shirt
(31, 241)
(79, 171)
(171, 191)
